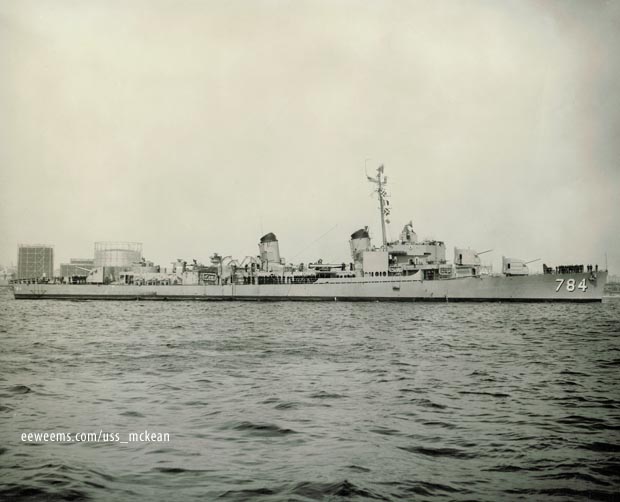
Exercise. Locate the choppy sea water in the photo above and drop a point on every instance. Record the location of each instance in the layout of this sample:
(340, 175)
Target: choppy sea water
(310, 401)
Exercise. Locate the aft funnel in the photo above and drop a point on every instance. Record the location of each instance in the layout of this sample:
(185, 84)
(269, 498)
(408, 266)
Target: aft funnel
(269, 249)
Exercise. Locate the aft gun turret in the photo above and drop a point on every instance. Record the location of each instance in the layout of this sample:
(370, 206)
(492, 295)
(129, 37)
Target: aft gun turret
(515, 266)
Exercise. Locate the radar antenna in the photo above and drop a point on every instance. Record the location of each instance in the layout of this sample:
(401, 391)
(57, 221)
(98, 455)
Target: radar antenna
(381, 180)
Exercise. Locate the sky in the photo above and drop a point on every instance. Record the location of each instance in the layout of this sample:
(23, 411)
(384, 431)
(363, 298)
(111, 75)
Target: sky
(195, 127)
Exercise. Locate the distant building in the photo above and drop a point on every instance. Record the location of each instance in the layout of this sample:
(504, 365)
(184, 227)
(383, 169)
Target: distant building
(77, 267)
(7, 274)
(35, 261)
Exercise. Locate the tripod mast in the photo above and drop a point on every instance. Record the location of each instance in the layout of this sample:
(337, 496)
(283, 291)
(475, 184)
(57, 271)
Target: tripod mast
(381, 180)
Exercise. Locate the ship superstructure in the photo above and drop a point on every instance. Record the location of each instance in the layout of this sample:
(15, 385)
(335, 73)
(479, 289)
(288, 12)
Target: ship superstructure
(407, 269)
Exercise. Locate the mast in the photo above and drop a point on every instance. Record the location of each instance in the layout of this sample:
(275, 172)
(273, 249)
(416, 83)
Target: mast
(381, 180)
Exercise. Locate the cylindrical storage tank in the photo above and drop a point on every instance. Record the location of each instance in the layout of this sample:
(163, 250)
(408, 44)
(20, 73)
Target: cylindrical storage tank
(360, 242)
(269, 249)
(117, 254)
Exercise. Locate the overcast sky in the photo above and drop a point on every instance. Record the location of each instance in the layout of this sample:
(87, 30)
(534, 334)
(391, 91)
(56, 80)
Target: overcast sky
(198, 126)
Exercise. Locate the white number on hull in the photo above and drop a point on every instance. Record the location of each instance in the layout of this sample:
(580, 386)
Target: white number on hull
(570, 285)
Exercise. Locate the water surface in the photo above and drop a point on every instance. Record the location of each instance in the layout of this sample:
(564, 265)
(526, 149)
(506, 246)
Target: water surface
(311, 401)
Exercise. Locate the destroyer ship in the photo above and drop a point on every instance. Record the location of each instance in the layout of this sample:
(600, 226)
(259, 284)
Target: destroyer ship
(407, 269)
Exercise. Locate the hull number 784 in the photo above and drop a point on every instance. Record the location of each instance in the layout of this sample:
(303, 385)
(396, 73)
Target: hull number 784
(571, 285)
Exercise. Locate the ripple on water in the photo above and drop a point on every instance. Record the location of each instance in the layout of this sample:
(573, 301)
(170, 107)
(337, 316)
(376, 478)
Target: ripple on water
(438, 452)
(261, 429)
(296, 401)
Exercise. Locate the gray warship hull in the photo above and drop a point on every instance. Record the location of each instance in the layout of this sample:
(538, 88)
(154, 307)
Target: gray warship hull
(575, 287)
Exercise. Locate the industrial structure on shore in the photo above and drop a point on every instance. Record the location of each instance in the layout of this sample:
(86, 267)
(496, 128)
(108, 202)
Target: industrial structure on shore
(35, 261)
